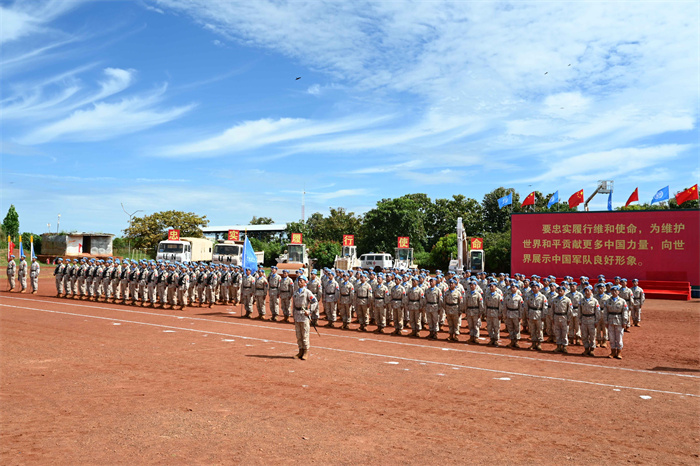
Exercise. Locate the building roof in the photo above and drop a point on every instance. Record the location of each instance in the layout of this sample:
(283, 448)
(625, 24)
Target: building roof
(225, 228)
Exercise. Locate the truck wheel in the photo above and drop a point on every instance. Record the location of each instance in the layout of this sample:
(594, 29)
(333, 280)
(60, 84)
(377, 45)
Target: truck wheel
(377, 269)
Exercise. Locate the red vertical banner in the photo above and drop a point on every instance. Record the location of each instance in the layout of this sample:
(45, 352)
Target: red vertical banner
(476, 243)
(348, 240)
(174, 235)
(234, 235)
(296, 238)
(403, 242)
(649, 245)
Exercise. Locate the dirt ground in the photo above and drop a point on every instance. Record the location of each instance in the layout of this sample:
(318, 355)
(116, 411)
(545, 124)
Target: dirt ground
(84, 383)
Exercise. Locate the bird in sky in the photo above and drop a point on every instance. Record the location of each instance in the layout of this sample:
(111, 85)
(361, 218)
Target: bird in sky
(546, 72)
(298, 78)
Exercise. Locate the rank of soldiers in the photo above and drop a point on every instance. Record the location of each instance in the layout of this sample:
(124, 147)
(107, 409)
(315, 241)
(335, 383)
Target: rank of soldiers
(569, 312)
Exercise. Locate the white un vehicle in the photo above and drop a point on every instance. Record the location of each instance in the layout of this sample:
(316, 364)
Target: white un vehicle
(376, 261)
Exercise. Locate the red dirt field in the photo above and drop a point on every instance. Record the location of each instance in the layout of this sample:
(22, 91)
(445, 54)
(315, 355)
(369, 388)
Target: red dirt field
(85, 383)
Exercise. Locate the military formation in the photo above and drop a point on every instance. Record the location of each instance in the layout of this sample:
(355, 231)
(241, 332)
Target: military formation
(588, 313)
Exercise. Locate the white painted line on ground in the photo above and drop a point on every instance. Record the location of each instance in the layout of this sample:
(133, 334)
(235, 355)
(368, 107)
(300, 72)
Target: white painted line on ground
(377, 340)
(439, 363)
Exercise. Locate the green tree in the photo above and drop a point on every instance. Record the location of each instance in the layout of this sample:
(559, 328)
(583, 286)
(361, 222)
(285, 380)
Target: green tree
(149, 230)
(261, 221)
(497, 251)
(27, 243)
(300, 227)
(272, 250)
(338, 223)
(324, 252)
(495, 218)
(443, 251)
(10, 225)
(443, 213)
(389, 220)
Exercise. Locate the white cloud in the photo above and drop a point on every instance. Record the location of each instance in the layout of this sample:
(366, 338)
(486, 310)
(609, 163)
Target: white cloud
(26, 18)
(314, 89)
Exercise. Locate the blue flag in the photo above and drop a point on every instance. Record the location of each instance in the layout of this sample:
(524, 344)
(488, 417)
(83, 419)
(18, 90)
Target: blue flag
(661, 195)
(553, 200)
(610, 201)
(505, 200)
(249, 262)
(21, 249)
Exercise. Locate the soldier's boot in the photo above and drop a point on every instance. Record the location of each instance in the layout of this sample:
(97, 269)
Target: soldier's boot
(210, 304)
(247, 314)
(414, 332)
(550, 339)
(362, 328)
(286, 318)
(603, 344)
(515, 344)
(407, 324)
(617, 354)
(305, 354)
(330, 324)
(379, 330)
(586, 352)
(533, 345)
(298, 355)
(455, 338)
(591, 352)
(344, 326)
(612, 354)
(563, 349)
(539, 346)
(637, 324)
(273, 319)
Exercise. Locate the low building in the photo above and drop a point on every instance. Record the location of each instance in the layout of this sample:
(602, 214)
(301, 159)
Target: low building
(76, 244)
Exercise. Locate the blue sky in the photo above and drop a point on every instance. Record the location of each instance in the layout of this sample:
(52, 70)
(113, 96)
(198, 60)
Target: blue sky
(193, 104)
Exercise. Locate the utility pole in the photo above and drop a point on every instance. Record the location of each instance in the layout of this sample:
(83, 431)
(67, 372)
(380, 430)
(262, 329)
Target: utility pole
(131, 215)
(303, 200)
(58, 223)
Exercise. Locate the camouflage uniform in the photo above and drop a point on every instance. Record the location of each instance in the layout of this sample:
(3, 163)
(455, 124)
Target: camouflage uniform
(590, 314)
(363, 297)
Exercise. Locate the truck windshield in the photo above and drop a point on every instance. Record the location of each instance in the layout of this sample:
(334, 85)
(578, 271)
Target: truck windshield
(348, 250)
(476, 260)
(227, 249)
(296, 252)
(170, 248)
(404, 254)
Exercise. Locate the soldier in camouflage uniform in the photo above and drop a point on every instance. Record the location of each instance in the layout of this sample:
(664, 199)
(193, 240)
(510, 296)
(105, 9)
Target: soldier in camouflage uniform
(562, 311)
(416, 304)
(34, 271)
(638, 302)
(512, 310)
(398, 298)
(261, 287)
(492, 303)
(590, 315)
(286, 290)
(247, 288)
(58, 272)
(433, 304)
(273, 283)
(302, 300)
(452, 301)
(331, 293)
(380, 303)
(474, 307)
(363, 297)
(601, 328)
(536, 304)
(616, 315)
(347, 296)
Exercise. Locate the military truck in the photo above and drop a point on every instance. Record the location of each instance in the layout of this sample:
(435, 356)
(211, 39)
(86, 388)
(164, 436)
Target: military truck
(294, 257)
(231, 253)
(185, 250)
(403, 259)
(347, 260)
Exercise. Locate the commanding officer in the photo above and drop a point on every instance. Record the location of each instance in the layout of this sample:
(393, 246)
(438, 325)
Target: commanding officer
(34, 274)
(433, 303)
(474, 304)
(331, 293)
(492, 303)
(452, 300)
(601, 328)
(22, 273)
(261, 287)
(273, 282)
(316, 288)
(11, 271)
(590, 315)
(247, 286)
(363, 296)
(616, 315)
(562, 314)
(347, 296)
(639, 298)
(380, 301)
(513, 305)
(416, 304)
(398, 297)
(303, 300)
(575, 322)
(286, 290)
(58, 272)
(536, 304)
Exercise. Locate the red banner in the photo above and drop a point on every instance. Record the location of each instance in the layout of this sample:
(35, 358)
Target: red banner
(649, 245)
(234, 235)
(403, 241)
(174, 235)
(296, 238)
(348, 240)
(476, 243)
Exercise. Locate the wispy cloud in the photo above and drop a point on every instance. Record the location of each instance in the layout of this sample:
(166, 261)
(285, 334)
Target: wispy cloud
(26, 18)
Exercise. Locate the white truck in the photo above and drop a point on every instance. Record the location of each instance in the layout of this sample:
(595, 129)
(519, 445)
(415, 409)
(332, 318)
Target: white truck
(185, 250)
(376, 261)
(468, 259)
(295, 257)
(231, 253)
(403, 259)
(347, 260)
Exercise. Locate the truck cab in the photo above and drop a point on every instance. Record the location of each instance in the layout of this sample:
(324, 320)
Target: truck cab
(347, 260)
(177, 251)
(403, 258)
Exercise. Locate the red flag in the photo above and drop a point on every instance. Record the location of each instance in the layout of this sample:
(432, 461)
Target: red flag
(633, 197)
(576, 199)
(10, 247)
(529, 200)
(687, 195)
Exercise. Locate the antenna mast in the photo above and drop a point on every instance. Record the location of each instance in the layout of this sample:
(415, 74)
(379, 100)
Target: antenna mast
(303, 198)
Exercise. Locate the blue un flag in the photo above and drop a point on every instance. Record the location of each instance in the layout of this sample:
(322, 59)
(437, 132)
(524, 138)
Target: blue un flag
(553, 200)
(505, 200)
(661, 195)
(250, 262)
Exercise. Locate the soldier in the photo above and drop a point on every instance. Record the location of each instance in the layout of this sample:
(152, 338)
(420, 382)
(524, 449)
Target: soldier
(247, 287)
(398, 298)
(347, 295)
(492, 303)
(536, 304)
(315, 287)
(273, 282)
(415, 305)
(616, 315)
(124, 280)
(35, 268)
(380, 301)
(601, 329)
(183, 286)
(550, 293)
(74, 282)
(58, 273)
(107, 279)
(363, 297)
(151, 278)
(575, 323)
(212, 279)
(562, 311)
(452, 300)
(474, 308)
(628, 296)
(433, 304)
(134, 278)
(303, 300)
(89, 276)
(67, 272)
(331, 293)
(116, 278)
(22, 273)
(202, 275)
(590, 315)
(82, 278)
(286, 290)
(261, 287)
(11, 271)
(638, 301)
(513, 306)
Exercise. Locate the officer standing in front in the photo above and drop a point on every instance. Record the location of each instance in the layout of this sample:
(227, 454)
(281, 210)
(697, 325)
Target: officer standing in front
(303, 300)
